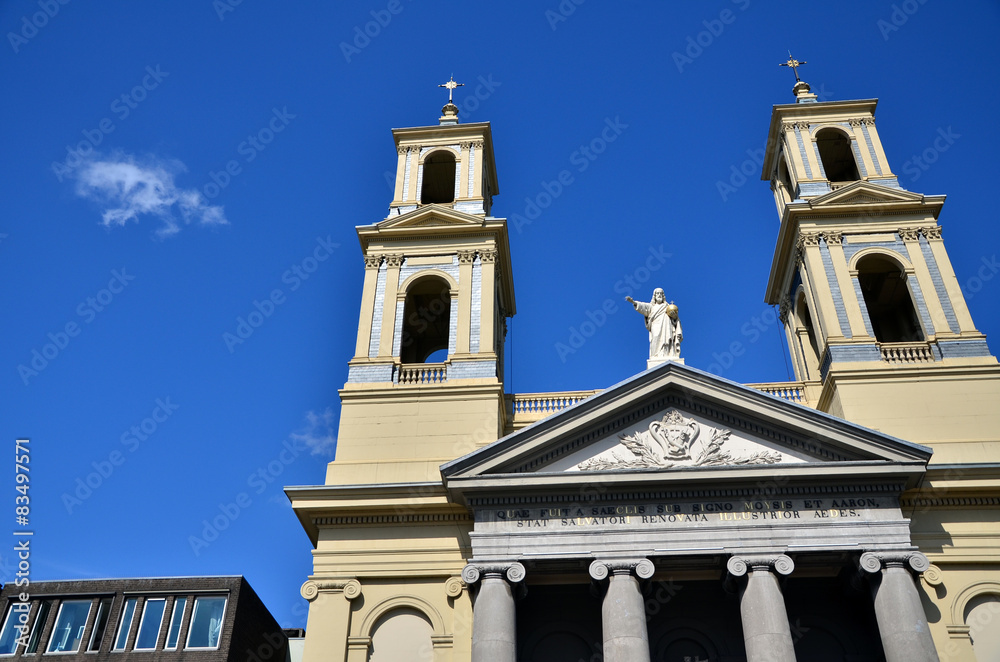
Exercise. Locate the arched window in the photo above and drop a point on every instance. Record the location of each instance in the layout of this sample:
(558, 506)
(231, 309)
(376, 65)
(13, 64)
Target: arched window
(887, 298)
(438, 178)
(402, 635)
(809, 345)
(981, 614)
(838, 159)
(426, 317)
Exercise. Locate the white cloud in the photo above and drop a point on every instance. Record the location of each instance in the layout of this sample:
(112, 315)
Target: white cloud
(318, 435)
(128, 189)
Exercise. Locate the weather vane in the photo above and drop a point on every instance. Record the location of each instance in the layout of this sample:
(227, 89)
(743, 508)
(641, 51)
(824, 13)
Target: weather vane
(451, 85)
(794, 64)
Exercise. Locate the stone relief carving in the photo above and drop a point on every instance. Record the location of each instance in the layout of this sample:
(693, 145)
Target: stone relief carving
(676, 441)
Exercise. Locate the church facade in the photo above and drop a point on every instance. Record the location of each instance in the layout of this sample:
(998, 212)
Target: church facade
(848, 515)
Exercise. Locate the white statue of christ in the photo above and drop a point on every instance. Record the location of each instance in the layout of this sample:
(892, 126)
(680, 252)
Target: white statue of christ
(663, 325)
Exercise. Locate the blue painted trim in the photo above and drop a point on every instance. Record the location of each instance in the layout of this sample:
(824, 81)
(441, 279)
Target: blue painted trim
(802, 151)
(871, 149)
(938, 280)
(838, 297)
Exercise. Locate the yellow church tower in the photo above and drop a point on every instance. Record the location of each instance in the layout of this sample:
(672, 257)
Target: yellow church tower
(880, 334)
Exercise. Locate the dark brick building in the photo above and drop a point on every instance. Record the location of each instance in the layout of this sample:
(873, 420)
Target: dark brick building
(175, 619)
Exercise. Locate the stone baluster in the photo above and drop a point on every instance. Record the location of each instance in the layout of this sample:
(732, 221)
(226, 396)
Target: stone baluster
(494, 626)
(766, 633)
(902, 623)
(623, 614)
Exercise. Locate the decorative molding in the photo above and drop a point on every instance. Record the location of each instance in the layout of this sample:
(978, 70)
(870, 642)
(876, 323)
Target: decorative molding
(478, 144)
(642, 568)
(465, 144)
(512, 571)
(349, 588)
(488, 256)
(909, 234)
(453, 587)
(924, 502)
(833, 237)
(807, 239)
(801, 125)
(739, 564)
(870, 121)
(668, 442)
(931, 232)
(932, 575)
(466, 257)
(784, 307)
(373, 261)
(402, 150)
(874, 562)
(392, 519)
(392, 261)
(855, 121)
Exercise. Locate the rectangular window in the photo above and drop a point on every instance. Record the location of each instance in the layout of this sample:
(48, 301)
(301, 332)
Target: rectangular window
(100, 624)
(13, 624)
(123, 627)
(36, 628)
(175, 623)
(206, 622)
(68, 632)
(149, 624)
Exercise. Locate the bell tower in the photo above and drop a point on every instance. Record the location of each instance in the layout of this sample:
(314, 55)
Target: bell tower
(425, 384)
(875, 318)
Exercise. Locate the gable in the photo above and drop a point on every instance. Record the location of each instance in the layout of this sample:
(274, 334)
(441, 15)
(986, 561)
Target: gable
(678, 423)
(430, 216)
(862, 192)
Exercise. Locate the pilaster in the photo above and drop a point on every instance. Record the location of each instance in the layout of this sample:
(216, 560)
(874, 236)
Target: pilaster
(372, 263)
(834, 244)
(465, 262)
(393, 262)
(329, 619)
(951, 284)
(488, 309)
(911, 239)
(814, 274)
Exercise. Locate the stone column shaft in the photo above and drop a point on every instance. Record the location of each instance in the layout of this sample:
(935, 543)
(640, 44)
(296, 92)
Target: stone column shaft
(494, 623)
(766, 633)
(623, 611)
(902, 623)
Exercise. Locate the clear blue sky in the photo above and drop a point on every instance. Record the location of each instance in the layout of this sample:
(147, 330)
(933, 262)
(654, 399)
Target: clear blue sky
(169, 93)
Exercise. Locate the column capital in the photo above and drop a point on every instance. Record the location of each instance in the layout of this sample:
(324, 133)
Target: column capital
(931, 232)
(373, 261)
(488, 256)
(909, 234)
(874, 562)
(466, 256)
(512, 571)
(393, 261)
(739, 564)
(832, 237)
(784, 307)
(349, 588)
(642, 568)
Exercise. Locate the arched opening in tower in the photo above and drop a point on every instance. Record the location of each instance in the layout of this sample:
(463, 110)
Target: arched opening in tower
(426, 321)
(438, 178)
(887, 298)
(836, 155)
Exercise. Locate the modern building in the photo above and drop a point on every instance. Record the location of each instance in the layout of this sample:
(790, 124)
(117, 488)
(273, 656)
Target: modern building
(187, 619)
(848, 515)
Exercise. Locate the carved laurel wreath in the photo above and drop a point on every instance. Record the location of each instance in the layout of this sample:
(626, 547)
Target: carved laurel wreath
(669, 442)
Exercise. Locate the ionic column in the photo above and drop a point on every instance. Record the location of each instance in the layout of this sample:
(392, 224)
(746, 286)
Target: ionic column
(623, 614)
(900, 615)
(330, 617)
(766, 634)
(494, 627)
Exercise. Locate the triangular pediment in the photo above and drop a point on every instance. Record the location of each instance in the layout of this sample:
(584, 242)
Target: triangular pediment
(865, 193)
(674, 423)
(431, 216)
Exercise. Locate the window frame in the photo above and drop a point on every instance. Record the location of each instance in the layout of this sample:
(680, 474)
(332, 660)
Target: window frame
(142, 620)
(115, 648)
(182, 599)
(39, 624)
(194, 611)
(63, 603)
(7, 621)
(102, 603)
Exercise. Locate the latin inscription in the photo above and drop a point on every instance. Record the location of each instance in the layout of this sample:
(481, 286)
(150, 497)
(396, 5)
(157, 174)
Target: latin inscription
(660, 514)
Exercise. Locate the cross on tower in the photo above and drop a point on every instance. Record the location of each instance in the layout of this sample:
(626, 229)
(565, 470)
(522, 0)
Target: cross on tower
(451, 85)
(794, 64)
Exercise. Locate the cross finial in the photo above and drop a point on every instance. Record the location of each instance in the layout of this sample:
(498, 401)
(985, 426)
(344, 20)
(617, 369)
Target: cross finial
(794, 64)
(451, 85)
